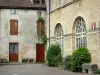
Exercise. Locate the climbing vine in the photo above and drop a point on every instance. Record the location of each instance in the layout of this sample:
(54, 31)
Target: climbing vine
(41, 34)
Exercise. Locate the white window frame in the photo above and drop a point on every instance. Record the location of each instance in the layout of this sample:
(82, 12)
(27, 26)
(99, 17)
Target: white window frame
(59, 37)
(81, 41)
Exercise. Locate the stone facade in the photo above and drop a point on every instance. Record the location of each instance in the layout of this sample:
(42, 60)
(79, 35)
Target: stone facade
(27, 32)
(66, 13)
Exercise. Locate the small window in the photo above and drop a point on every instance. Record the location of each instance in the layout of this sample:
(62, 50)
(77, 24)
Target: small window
(13, 11)
(36, 1)
(43, 1)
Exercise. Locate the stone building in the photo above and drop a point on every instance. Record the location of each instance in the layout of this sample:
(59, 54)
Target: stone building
(75, 24)
(18, 29)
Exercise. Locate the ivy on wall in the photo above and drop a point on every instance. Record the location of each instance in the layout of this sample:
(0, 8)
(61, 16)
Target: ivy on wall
(41, 30)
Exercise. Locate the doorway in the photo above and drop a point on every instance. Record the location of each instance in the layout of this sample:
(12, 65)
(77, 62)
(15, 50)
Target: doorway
(40, 53)
(13, 52)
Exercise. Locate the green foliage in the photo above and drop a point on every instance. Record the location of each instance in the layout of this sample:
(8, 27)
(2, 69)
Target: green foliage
(79, 57)
(41, 19)
(67, 62)
(97, 71)
(54, 57)
(43, 37)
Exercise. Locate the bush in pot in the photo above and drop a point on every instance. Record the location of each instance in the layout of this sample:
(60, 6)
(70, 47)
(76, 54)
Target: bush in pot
(54, 57)
(67, 62)
(79, 57)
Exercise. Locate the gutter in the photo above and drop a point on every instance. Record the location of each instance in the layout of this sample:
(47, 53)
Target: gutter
(65, 5)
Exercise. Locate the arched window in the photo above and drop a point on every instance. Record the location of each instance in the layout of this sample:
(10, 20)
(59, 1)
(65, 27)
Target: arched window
(80, 33)
(59, 35)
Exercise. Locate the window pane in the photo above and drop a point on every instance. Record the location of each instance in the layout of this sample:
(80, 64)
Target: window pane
(43, 1)
(36, 1)
(59, 33)
(76, 40)
(10, 48)
(80, 33)
(15, 48)
(77, 46)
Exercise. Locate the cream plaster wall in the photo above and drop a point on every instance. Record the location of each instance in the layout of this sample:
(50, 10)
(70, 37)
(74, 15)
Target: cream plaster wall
(27, 37)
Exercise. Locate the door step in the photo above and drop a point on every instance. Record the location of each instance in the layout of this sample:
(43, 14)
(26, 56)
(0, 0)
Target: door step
(12, 63)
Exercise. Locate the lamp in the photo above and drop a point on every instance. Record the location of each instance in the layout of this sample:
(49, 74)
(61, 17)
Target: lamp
(38, 13)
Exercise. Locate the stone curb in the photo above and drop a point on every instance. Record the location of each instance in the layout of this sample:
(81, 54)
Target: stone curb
(11, 63)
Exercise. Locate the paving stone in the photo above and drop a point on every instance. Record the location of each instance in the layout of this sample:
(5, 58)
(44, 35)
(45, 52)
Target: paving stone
(33, 69)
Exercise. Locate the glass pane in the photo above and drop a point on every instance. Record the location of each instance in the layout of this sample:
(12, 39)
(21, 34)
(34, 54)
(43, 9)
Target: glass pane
(81, 45)
(76, 40)
(36, 1)
(15, 48)
(10, 48)
(77, 46)
(84, 39)
(43, 1)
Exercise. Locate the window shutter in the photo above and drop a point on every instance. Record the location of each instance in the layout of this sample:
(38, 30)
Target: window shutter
(16, 27)
(40, 26)
(13, 27)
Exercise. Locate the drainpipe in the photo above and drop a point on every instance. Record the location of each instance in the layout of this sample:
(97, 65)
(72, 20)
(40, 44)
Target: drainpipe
(49, 23)
(0, 33)
(48, 13)
(99, 36)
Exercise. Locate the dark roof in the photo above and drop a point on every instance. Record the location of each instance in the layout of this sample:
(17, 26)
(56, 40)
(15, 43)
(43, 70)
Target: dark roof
(20, 4)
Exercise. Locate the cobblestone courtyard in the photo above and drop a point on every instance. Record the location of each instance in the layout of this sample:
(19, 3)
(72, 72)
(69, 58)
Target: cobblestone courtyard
(33, 69)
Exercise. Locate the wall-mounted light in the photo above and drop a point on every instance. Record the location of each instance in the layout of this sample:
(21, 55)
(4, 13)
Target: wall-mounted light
(38, 13)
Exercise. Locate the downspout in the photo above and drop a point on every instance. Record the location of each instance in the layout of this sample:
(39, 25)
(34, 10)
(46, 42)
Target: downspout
(49, 23)
(48, 14)
(0, 33)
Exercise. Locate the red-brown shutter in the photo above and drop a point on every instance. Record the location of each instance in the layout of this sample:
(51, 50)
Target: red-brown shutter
(40, 26)
(13, 27)
(16, 27)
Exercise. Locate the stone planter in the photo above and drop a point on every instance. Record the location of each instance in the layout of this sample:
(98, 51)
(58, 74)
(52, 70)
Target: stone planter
(89, 68)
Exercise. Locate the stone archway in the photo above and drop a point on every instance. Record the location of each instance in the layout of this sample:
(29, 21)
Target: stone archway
(58, 33)
(79, 33)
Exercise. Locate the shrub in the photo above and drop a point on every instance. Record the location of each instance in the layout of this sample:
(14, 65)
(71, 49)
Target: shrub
(79, 57)
(97, 71)
(41, 19)
(54, 57)
(67, 62)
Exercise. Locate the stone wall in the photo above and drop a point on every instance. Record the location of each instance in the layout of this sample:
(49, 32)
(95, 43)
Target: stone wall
(26, 38)
(66, 15)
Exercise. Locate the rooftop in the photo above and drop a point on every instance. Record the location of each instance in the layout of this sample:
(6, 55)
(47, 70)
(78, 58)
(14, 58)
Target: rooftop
(20, 4)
